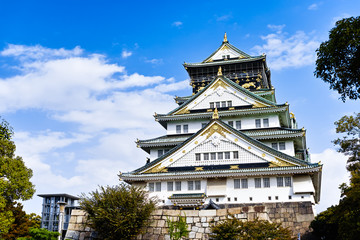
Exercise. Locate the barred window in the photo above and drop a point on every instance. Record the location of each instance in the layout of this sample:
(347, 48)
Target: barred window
(244, 183)
(223, 104)
(211, 105)
(238, 125)
(170, 186)
(236, 154)
(274, 146)
(287, 181)
(186, 128)
(151, 187)
(158, 187)
(266, 182)
(229, 103)
(217, 104)
(231, 123)
(177, 186)
(257, 182)
(280, 181)
(178, 128)
(258, 123)
(282, 146)
(206, 156)
(213, 156)
(266, 122)
(227, 155)
(197, 156)
(236, 183)
(220, 155)
(197, 185)
(190, 185)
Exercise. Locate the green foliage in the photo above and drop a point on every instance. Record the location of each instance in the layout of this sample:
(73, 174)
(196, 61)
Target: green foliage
(350, 143)
(232, 229)
(40, 234)
(22, 222)
(178, 229)
(118, 212)
(338, 59)
(14, 177)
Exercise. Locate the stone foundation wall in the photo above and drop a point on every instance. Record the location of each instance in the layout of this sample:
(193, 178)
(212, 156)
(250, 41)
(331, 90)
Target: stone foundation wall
(295, 216)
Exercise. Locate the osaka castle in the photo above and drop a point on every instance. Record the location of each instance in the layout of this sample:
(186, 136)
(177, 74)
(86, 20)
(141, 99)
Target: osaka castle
(228, 143)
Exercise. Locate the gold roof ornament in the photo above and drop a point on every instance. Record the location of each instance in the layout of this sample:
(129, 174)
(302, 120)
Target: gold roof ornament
(225, 38)
(219, 71)
(215, 114)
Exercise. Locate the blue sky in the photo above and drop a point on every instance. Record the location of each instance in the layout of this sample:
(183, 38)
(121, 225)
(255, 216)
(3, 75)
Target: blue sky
(80, 80)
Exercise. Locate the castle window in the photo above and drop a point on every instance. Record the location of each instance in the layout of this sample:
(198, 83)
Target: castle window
(287, 181)
(197, 156)
(223, 104)
(229, 103)
(266, 122)
(266, 182)
(236, 183)
(227, 155)
(269, 197)
(217, 104)
(257, 182)
(250, 198)
(186, 128)
(220, 155)
(206, 156)
(235, 199)
(158, 187)
(197, 185)
(170, 186)
(217, 199)
(290, 197)
(258, 123)
(276, 197)
(236, 155)
(228, 199)
(213, 156)
(231, 123)
(160, 153)
(151, 187)
(177, 186)
(274, 146)
(212, 105)
(244, 183)
(281, 145)
(280, 181)
(190, 185)
(238, 125)
(178, 128)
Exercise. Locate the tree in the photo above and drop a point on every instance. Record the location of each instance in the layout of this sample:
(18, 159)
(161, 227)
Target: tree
(232, 228)
(119, 212)
(40, 234)
(178, 229)
(350, 143)
(338, 59)
(14, 177)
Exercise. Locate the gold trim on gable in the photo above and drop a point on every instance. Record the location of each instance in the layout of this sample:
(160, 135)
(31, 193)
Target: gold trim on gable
(280, 163)
(219, 83)
(233, 167)
(157, 168)
(183, 111)
(224, 48)
(215, 128)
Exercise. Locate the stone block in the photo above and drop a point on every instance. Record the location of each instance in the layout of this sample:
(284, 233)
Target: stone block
(189, 220)
(153, 224)
(221, 212)
(158, 212)
(194, 229)
(206, 224)
(207, 230)
(192, 235)
(156, 217)
(263, 216)
(234, 210)
(171, 212)
(157, 230)
(251, 216)
(201, 230)
(304, 217)
(167, 237)
(241, 215)
(198, 235)
(198, 224)
(216, 219)
(79, 219)
(161, 223)
(190, 213)
(207, 213)
(203, 219)
(164, 230)
(196, 219)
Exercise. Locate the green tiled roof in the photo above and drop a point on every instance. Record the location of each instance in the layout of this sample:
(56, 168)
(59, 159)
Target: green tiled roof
(202, 64)
(169, 140)
(187, 195)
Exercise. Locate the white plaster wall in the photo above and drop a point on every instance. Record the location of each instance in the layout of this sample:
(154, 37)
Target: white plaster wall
(259, 195)
(289, 147)
(228, 51)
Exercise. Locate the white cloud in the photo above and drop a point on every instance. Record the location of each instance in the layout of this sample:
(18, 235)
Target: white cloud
(126, 54)
(154, 61)
(313, 6)
(177, 24)
(334, 173)
(223, 17)
(286, 51)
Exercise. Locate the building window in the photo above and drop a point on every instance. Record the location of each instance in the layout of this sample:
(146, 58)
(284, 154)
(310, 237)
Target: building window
(170, 186)
(213, 156)
(280, 181)
(227, 155)
(244, 183)
(236, 154)
(269, 197)
(197, 185)
(217, 104)
(197, 156)
(236, 183)
(282, 146)
(160, 153)
(186, 128)
(266, 182)
(206, 156)
(266, 122)
(151, 187)
(177, 186)
(178, 128)
(229, 103)
(258, 123)
(231, 123)
(223, 104)
(238, 125)
(250, 198)
(257, 182)
(274, 146)
(217, 199)
(211, 105)
(287, 181)
(190, 185)
(235, 199)
(228, 199)
(290, 197)
(158, 187)
(276, 197)
(220, 155)
(203, 125)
